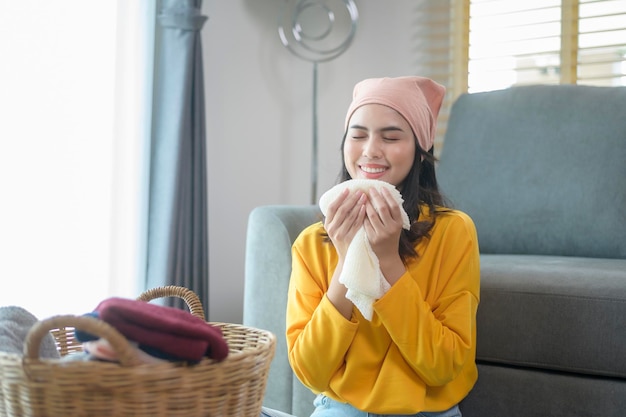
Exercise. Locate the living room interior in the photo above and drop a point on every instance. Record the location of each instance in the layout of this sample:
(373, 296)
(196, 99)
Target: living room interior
(259, 127)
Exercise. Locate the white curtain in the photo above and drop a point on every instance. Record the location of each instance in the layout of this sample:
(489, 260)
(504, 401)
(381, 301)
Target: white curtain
(134, 71)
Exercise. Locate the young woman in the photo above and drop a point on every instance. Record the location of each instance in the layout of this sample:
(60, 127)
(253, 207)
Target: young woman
(415, 355)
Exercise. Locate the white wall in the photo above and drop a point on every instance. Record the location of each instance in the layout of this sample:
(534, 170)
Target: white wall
(259, 118)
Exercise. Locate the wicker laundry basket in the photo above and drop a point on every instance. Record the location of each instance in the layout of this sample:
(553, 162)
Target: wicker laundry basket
(31, 386)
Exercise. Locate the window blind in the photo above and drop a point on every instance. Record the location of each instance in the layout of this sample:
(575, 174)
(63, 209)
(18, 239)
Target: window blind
(546, 42)
(440, 35)
(601, 55)
(482, 45)
(513, 42)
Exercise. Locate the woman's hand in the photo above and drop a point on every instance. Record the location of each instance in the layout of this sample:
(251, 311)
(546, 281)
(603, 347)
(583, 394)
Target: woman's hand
(383, 225)
(344, 217)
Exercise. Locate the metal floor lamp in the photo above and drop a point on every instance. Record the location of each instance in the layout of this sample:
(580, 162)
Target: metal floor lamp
(317, 31)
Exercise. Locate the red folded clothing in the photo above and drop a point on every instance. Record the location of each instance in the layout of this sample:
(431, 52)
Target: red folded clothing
(170, 330)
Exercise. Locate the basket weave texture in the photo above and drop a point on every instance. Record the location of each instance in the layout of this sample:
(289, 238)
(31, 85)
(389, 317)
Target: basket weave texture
(32, 386)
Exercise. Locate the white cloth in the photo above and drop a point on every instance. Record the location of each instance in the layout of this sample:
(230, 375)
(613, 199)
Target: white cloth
(361, 272)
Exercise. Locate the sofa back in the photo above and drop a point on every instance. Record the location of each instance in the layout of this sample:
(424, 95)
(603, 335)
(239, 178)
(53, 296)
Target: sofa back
(540, 169)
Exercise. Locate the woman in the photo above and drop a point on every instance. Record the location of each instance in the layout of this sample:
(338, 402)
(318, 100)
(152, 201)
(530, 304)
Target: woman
(416, 354)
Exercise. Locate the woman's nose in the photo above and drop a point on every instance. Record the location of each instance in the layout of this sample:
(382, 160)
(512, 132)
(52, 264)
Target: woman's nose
(372, 149)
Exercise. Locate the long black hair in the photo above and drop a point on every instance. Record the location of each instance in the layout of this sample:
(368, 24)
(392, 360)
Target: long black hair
(420, 192)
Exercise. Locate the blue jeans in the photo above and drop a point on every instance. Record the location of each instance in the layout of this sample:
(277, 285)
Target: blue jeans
(326, 407)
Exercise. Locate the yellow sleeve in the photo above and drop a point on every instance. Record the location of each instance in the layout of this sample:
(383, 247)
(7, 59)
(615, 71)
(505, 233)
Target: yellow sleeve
(318, 336)
(430, 313)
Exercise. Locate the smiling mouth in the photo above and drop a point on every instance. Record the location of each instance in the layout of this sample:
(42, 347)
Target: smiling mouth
(371, 170)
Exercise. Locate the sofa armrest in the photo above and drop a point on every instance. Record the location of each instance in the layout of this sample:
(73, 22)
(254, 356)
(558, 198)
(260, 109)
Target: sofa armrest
(271, 232)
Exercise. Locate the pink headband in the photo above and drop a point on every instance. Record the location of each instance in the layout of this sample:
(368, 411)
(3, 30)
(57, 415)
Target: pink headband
(417, 99)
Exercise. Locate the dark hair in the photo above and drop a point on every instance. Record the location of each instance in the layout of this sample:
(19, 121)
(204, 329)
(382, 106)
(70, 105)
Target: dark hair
(419, 191)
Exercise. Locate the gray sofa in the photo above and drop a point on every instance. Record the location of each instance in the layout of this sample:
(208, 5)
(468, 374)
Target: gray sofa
(542, 171)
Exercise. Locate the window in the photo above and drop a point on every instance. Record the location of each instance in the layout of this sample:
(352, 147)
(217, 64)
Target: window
(546, 42)
(602, 43)
(56, 154)
(513, 42)
(440, 36)
(482, 45)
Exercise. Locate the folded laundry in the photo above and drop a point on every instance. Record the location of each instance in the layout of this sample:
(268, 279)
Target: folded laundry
(15, 322)
(102, 349)
(87, 339)
(171, 331)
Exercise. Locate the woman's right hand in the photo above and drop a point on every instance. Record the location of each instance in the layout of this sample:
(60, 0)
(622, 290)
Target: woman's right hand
(344, 217)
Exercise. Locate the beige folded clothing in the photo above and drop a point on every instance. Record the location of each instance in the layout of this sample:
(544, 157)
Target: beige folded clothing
(361, 272)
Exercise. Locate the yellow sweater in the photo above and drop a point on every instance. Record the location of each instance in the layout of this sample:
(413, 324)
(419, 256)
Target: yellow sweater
(418, 352)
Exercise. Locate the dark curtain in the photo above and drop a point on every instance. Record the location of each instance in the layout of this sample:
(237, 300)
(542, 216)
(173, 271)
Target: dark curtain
(177, 235)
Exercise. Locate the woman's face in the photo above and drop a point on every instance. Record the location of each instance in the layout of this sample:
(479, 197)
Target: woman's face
(379, 145)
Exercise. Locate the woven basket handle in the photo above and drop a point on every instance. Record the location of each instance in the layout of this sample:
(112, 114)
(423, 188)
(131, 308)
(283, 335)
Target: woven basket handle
(126, 353)
(190, 297)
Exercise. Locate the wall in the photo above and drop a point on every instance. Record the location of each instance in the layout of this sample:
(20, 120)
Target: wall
(259, 118)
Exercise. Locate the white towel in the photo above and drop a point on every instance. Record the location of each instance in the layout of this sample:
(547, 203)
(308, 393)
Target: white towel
(361, 272)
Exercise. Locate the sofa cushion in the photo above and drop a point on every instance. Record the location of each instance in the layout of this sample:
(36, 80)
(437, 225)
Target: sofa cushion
(540, 169)
(560, 313)
(526, 392)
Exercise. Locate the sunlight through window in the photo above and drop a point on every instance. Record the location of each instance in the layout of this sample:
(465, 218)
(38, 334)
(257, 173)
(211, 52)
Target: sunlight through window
(516, 43)
(57, 105)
